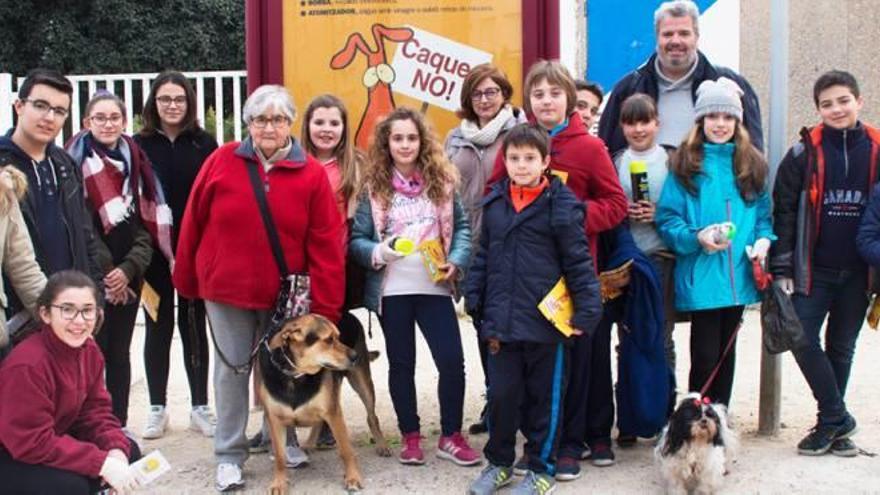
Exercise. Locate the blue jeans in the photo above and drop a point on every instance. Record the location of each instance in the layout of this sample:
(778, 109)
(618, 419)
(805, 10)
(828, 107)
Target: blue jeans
(842, 296)
(439, 325)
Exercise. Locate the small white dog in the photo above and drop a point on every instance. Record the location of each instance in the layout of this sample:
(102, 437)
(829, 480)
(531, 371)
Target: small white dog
(696, 447)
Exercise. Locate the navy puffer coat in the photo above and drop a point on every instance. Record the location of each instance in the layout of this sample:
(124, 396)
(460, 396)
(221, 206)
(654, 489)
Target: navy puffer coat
(522, 256)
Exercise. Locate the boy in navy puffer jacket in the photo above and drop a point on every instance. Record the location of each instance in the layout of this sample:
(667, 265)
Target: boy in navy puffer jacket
(532, 234)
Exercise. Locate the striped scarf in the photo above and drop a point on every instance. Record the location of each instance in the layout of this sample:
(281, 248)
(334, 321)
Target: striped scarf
(121, 181)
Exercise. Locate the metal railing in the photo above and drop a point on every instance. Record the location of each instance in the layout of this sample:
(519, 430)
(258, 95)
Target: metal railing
(219, 95)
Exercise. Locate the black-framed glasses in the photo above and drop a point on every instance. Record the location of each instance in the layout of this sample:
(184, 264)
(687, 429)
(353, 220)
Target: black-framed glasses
(99, 119)
(69, 312)
(166, 100)
(44, 108)
(277, 121)
(489, 93)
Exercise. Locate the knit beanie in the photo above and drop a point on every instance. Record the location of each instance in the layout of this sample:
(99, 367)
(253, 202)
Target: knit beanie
(721, 96)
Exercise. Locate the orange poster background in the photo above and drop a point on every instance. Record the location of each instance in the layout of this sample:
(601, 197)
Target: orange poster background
(317, 30)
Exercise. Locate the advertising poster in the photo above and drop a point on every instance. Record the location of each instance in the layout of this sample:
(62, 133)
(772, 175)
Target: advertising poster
(380, 54)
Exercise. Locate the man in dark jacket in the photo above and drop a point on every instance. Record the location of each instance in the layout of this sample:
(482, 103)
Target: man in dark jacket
(53, 208)
(671, 76)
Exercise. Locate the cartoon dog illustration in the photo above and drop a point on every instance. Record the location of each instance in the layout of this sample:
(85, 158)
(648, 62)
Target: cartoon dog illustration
(377, 78)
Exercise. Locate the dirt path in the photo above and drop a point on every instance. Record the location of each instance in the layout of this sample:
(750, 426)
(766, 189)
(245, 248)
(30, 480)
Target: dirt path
(765, 465)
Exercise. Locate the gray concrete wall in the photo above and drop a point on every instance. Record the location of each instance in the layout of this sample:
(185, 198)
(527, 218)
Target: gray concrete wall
(823, 35)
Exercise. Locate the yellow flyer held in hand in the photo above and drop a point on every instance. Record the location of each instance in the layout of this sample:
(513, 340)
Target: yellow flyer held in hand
(434, 257)
(150, 301)
(558, 308)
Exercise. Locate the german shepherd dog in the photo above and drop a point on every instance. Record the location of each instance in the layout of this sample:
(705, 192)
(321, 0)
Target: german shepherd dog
(302, 366)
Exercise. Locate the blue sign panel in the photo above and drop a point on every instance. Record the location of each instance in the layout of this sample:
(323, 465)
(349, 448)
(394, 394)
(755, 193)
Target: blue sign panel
(621, 37)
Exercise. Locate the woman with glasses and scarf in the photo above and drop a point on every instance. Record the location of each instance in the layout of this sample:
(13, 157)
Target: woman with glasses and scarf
(177, 147)
(130, 217)
(486, 116)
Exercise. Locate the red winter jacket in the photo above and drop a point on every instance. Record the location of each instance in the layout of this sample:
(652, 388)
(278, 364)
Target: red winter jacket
(223, 253)
(583, 164)
(54, 408)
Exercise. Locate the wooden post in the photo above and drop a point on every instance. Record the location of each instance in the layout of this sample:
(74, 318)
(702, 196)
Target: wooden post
(771, 394)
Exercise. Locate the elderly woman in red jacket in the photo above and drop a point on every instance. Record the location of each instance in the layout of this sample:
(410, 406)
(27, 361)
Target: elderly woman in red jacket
(58, 433)
(224, 254)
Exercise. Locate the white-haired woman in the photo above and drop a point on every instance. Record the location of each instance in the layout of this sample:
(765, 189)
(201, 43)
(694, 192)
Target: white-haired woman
(224, 255)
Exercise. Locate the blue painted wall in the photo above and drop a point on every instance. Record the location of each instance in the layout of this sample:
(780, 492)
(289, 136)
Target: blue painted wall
(621, 37)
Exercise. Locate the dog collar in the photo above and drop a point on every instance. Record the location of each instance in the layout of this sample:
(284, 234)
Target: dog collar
(292, 374)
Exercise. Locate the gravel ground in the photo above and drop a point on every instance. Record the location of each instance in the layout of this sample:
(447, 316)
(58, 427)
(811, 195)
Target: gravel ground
(764, 465)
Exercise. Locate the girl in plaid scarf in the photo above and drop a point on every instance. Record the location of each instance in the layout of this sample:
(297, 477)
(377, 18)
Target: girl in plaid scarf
(130, 216)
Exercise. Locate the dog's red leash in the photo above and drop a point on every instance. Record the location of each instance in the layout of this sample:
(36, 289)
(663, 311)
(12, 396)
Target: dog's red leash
(762, 282)
(720, 361)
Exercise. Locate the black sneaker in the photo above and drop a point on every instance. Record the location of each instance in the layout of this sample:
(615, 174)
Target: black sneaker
(325, 438)
(257, 444)
(568, 469)
(626, 441)
(848, 428)
(602, 455)
(844, 447)
(480, 426)
(521, 467)
(822, 436)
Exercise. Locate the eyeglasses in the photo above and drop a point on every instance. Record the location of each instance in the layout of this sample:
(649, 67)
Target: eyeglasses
(166, 100)
(100, 120)
(44, 108)
(489, 93)
(277, 121)
(69, 312)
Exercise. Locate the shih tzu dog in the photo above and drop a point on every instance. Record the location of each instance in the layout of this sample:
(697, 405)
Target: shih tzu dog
(696, 447)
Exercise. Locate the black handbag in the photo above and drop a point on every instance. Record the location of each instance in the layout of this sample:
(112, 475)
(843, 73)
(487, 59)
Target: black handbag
(782, 330)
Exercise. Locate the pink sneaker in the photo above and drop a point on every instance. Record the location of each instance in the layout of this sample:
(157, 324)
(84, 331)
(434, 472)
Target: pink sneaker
(456, 449)
(411, 453)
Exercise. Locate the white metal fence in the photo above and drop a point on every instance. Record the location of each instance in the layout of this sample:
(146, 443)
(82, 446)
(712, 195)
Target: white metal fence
(219, 97)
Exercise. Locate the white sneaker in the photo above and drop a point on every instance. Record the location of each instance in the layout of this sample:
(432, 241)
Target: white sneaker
(202, 419)
(295, 456)
(157, 422)
(228, 477)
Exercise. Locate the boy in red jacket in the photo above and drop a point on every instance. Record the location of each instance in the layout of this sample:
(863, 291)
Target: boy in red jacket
(583, 164)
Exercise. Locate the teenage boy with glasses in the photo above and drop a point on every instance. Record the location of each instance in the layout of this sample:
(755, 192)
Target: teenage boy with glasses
(53, 208)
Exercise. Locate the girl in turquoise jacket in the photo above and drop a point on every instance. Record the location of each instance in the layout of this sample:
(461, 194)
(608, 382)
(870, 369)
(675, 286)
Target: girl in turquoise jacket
(715, 214)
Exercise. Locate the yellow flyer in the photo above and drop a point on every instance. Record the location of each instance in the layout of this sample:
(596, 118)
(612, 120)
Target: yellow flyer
(433, 256)
(150, 301)
(562, 174)
(558, 308)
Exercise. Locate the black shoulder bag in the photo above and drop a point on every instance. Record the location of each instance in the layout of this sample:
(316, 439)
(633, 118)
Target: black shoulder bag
(294, 293)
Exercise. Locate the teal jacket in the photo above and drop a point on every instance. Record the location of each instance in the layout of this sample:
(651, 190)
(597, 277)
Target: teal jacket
(365, 236)
(724, 278)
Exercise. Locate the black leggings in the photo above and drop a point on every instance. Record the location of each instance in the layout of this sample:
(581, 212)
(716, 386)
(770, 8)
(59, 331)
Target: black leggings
(711, 331)
(114, 339)
(20, 478)
(157, 342)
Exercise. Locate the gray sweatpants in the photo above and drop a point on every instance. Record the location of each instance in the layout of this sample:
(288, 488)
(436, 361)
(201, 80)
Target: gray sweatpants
(235, 330)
